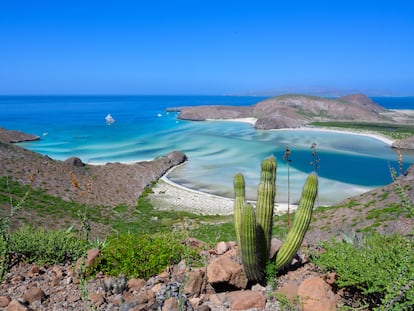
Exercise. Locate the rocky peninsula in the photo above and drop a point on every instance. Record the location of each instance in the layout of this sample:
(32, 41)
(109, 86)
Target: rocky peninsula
(295, 111)
(110, 184)
(11, 136)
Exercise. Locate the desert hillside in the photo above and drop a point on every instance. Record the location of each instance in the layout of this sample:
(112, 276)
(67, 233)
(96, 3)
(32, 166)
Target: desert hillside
(290, 111)
(111, 184)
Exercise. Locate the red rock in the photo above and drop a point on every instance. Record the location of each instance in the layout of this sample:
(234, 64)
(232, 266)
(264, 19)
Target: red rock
(203, 308)
(34, 270)
(15, 305)
(17, 279)
(195, 302)
(225, 270)
(289, 290)
(97, 299)
(330, 278)
(194, 243)
(4, 301)
(57, 271)
(34, 294)
(195, 282)
(222, 247)
(92, 256)
(144, 297)
(316, 295)
(275, 244)
(171, 304)
(243, 300)
(136, 284)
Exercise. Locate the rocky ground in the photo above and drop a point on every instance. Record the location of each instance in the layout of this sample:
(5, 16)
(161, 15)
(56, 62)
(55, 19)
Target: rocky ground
(179, 287)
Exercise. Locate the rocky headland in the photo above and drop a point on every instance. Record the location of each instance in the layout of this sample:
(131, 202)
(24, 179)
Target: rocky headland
(292, 111)
(11, 136)
(110, 184)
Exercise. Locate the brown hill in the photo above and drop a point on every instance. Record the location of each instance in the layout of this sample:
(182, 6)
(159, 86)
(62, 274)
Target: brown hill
(289, 111)
(11, 136)
(110, 184)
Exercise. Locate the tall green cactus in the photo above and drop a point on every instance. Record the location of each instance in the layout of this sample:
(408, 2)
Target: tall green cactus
(301, 223)
(249, 251)
(265, 204)
(254, 230)
(239, 202)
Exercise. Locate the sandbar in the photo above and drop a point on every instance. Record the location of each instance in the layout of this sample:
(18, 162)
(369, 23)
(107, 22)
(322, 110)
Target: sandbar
(375, 135)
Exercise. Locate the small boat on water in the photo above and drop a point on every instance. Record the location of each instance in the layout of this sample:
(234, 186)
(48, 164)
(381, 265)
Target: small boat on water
(109, 120)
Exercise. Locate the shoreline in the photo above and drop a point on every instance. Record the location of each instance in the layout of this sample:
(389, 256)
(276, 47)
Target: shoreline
(377, 136)
(384, 139)
(169, 195)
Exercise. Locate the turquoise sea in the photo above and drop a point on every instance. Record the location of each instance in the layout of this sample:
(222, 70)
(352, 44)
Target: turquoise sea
(75, 126)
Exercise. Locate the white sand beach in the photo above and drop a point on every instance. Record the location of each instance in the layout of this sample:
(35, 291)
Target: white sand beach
(171, 196)
(378, 136)
(251, 121)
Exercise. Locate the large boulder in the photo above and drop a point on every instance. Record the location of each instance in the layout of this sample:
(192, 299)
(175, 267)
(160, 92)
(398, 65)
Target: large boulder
(316, 295)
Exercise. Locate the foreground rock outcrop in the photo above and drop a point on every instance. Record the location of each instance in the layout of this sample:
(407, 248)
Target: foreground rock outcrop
(220, 285)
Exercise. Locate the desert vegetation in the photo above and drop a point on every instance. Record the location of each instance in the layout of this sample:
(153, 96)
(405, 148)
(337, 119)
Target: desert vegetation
(373, 268)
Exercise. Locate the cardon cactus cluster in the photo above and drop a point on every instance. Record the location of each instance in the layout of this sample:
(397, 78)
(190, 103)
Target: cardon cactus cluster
(254, 227)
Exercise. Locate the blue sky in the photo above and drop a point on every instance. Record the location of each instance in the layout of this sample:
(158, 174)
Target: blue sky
(206, 47)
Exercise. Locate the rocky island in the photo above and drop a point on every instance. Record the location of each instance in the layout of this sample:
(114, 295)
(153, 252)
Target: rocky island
(292, 111)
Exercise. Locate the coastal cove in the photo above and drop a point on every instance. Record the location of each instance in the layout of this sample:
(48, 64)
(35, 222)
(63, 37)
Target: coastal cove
(75, 126)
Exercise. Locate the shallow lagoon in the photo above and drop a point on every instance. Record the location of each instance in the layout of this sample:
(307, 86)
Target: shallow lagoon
(75, 126)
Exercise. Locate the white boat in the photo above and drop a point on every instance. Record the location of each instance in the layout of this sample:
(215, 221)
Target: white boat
(109, 120)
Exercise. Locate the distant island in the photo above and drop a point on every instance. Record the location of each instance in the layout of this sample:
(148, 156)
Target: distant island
(295, 111)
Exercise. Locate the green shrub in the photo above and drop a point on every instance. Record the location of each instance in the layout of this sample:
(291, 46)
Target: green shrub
(43, 246)
(141, 256)
(380, 267)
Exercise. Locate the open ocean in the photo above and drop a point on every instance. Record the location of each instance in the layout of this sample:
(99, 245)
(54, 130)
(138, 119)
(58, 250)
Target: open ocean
(217, 150)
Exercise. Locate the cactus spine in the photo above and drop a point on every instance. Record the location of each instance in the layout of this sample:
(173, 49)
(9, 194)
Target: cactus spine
(239, 202)
(254, 230)
(300, 223)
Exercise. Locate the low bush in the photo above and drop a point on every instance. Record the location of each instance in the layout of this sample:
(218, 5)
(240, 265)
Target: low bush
(41, 246)
(380, 267)
(141, 256)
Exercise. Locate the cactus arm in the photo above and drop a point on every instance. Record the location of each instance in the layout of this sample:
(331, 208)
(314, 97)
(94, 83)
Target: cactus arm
(265, 204)
(248, 245)
(239, 202)
(300, 224)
